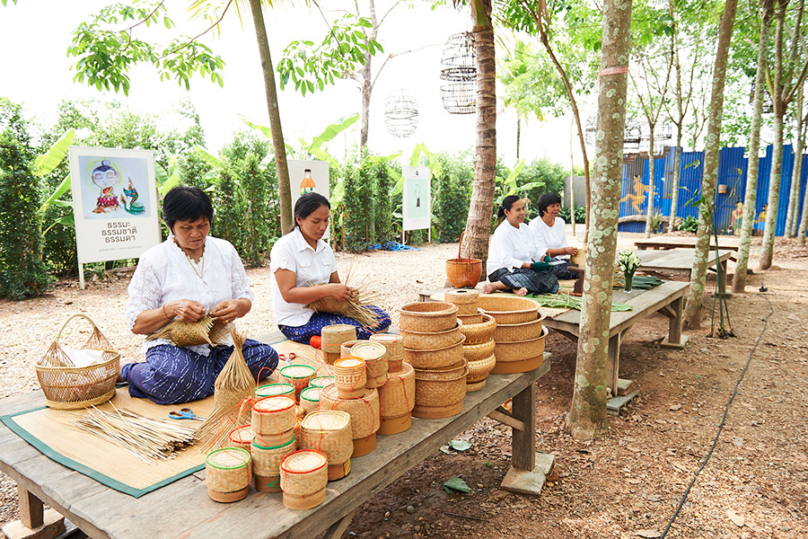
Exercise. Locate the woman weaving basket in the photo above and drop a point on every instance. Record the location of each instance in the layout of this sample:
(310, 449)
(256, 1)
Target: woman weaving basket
(187, 277)
(306, 275)
(551, 239)
(514, 262)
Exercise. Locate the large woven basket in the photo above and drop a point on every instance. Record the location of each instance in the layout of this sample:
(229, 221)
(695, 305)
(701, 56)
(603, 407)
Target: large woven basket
(418, 340)
(480, 351)
(69, 388)
(509, 309)
(520, 350)
(364, 410)
(519, 332)
(328, 431)
(479, 370)
(439, 389)
(466, 300)
(471, 319)
(227, 474)
(428, 316)
(397, 397)
(395, 350)
(432, 359)
(274, 415)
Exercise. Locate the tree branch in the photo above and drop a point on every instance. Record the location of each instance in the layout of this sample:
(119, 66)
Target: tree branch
(211, 27)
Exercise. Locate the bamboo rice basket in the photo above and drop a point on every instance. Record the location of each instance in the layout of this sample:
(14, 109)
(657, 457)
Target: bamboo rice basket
(330, 433)
(396, 401)
(228, 474)
(275, 390)
(298, 376)
(509, 309)
(266, 464)
(310, 399)
(436, 358)
(428, 316)
(479, 333)
(304, 475)
(470, 319)
(465, 299)
(241, 437)
(395, 350)
(417, 340)
(271, 440)
(350, 375)
(477, 352)
(334, 335)
(478, 372)
(321, 381)
(440, 393)
(365, 418)
(274, 415)
(520, 332)
(521, 356)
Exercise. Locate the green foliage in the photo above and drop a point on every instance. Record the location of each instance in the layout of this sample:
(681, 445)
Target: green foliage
(688, 224)
(656, 222)
(22, 272)
(383, 206)
(580, 214)
(531, 83)
(451, 195)
(359, 190)
(230, 208)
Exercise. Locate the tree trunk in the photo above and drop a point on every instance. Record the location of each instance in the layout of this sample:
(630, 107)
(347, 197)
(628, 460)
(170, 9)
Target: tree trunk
(367, 84)
(572, 186)
(587, 416)
(478, 226)
(651, 182)
(747, 224)
(796, 173)
(677, 161)
(518, 135)
(284, 190)
(712, 147)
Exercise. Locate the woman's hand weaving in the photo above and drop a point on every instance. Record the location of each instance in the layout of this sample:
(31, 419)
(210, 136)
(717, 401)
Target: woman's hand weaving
(186, 310)
(340, 291)
(226, 311)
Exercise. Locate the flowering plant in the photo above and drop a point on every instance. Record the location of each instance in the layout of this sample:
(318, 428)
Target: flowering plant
(629, 261)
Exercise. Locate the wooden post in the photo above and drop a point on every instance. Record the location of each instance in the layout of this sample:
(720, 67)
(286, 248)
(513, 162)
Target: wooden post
(523, 445)
(613, 365)
(675, 323)
(82, 284)
(32, 512)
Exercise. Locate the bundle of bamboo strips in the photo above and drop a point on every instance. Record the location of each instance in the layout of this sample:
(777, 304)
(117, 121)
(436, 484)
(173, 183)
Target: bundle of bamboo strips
(207, 330)
(149, 439)
(356, 307)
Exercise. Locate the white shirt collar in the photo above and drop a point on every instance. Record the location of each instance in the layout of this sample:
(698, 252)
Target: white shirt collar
(301, 244)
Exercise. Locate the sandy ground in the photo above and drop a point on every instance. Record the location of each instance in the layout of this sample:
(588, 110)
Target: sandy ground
(626, 483)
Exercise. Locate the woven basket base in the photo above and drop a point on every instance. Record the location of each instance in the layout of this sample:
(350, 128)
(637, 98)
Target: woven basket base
(80, 404)
(351, 394)
(267, 484)
(475, 386)
(437, 412)
(395, 425)
(511, 367)
(338, 471)
(363, 446)
(300, 502)
(229, 497)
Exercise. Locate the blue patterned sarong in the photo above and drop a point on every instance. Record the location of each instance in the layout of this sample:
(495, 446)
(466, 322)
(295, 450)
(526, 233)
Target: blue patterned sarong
(318, 321)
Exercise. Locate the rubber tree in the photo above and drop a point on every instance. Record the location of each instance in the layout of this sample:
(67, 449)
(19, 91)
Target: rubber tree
(787, 80)
(711, 149)
(796, 172)
(747, 223)
(587, 416)
(478, 225)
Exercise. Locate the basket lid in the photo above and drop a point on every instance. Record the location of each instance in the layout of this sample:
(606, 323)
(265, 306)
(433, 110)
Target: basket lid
(327, 420)
(229, 458)
(274, 404)
(368, 350)
(386, 337)
(321, 381)
(304, 461)
(242, 435)
(338, 327)
(298, 371)
(311, 394)
(271, 390)
(350, 362)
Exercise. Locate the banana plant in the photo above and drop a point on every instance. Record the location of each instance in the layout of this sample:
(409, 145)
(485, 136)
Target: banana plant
(510, 185)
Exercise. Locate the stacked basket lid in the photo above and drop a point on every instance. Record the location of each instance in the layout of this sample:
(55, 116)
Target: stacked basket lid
(433, 345)
(273, 427)
(478, 348)
(519, 333)
(364, 412)
(333, 337)
(397, 395)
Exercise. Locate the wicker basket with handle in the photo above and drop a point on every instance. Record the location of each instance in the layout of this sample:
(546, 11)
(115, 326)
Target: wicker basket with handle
(464, 272)
(68, 387)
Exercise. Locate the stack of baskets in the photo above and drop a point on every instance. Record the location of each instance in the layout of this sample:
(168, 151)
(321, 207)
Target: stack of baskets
(519, 333)
(397, 399)
(478, 329)
(228, 474)
(297, 376)
(364, 412)
(373, 353)
(433, 345)
(329, 431)
(333, 337)
(303, 477)
(273, 424)
(394, 357)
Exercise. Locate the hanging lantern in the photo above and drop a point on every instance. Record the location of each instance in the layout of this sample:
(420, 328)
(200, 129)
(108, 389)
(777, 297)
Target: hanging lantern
(401, 113)
(459, 69)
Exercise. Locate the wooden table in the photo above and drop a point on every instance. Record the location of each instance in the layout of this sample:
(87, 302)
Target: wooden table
(667, 299)
(681, 261)
(183, 509)
(725, 243)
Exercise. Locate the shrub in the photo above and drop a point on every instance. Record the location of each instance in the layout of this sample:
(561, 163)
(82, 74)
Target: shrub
(383, 210)
(689, 224)
(580, 215)
(451, 195)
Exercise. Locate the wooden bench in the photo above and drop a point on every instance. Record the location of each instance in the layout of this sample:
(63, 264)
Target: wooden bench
(183, 509)
(725, 243)
(681, 261)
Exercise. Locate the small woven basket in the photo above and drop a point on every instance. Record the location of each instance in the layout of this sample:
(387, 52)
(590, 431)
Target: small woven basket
(328, 431)
(336, 334)
(321, 381)
(520, 350)
(466, 300)
(271, 440)
(397, 397)
(364, 410)
(275, 390)
(428, 316)
(367, 350)
(479, 333)
(440, 389)
(304, 475)
(310, 399)
(519, 332)
(267, 462)
(350, 374)
(345, 348)
(241, 437)
(417, 340)
(67, 387)
(274, 415)
(479, 370)
(298, 376)
(476, 352)
(228, 474)
(395, 350)
(431, 359)
(509, 309)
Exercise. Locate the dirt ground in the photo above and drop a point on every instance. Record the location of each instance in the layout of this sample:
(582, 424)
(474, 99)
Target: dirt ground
(626, 483)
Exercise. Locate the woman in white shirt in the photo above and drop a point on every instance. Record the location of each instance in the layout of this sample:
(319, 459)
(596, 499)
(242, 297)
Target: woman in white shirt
(189, 275)
(550, 236)
(302, 259)
(513, 261)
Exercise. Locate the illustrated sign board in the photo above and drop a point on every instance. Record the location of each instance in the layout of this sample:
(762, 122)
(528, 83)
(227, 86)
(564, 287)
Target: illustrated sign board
(114, 203)
(417, 211)
(307, 176)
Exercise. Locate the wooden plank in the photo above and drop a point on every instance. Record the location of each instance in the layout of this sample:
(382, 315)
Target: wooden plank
(32, 510)
(337, 530)
(502, 415)
(523, 442)
(613, 363)
(728, 243)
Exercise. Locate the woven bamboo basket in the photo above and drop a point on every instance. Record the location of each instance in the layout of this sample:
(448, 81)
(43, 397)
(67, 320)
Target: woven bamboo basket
(479, 333)
(428, 316)
(520, 356)
(418, 340)
(273, 415)
(298, 376)
(241, 437)
(395, 350)
(304, 475)
(376, 382)
(350, 375)
(432, 359)
(479, 370)
(367, 350)
(519, 332)
(267, 462)
(579, 259)
(331, 357)
(275, 390)
(345, 348)
(365, 419)
(321, 381)
(439, 393)
(69, 387)
(509, 309)
(476, 352)
(330, 433)
(396, 401)
(466, 300)
(334, 335)
(228, 474)
(372, 353)
(310, 399)
(471, 319)
(271, 440)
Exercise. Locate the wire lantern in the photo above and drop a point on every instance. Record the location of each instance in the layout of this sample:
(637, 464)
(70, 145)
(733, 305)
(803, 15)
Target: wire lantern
(401, 113)
(459, 69)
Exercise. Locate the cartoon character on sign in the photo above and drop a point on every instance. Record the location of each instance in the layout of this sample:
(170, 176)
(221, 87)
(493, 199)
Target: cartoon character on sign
(135, 207)
(638, 197)
(105, 177)
(736, 219)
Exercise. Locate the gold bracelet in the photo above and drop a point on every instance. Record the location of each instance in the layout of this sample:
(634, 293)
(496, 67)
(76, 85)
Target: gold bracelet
(164, 312)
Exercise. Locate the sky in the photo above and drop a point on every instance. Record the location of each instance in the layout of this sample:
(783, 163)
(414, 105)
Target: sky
(35, 71)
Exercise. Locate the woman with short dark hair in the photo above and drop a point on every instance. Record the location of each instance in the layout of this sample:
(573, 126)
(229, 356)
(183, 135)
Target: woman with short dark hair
(189, 275)
(550, 235)
(302, 259)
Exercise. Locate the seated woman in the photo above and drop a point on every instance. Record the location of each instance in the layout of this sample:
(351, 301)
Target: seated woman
(189, 275)
(299, 261)
(549, 235)
(513, 261)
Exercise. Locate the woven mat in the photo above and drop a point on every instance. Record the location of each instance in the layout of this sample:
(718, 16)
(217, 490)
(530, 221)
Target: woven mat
(52, 432)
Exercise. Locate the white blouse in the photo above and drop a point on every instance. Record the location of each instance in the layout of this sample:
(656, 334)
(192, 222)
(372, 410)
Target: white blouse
(548, 237)
(292, 252)
(510, 247)
(165, 274)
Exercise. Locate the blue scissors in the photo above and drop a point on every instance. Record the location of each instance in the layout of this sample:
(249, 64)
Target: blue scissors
(184, 413)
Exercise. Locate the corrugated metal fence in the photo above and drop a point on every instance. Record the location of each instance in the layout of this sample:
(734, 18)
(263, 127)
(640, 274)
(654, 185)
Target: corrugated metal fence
(730, 194)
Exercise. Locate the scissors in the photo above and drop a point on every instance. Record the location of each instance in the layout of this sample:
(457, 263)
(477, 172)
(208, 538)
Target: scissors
(184, 413)
(289, 359)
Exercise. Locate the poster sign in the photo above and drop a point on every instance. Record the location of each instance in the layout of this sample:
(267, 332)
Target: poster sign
(307, 176)
(114, 203)
(417, 211)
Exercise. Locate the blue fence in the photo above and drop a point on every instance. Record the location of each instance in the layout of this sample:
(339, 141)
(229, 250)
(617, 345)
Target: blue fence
(730, 193)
